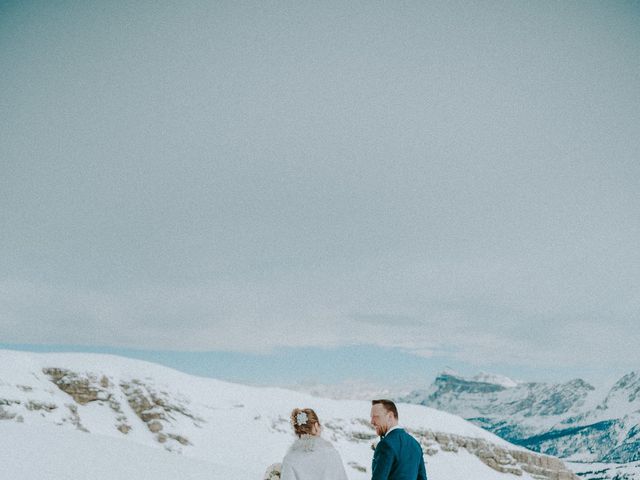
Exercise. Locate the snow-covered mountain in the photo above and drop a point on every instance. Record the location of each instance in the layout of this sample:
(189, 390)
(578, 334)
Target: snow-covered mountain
(115, 410)
(572, 420)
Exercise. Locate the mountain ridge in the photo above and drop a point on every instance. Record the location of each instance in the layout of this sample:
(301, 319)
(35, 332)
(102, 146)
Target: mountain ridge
(572, 420)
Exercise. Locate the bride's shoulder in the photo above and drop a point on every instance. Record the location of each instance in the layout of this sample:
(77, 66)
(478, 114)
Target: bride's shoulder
(325, 444)
(310, 443)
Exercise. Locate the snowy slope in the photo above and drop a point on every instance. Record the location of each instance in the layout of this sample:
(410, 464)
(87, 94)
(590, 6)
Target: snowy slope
(605, 471)
(29, 452)
(138, 404)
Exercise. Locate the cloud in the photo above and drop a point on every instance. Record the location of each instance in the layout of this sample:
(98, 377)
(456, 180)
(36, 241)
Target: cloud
(385, 319)
(436, 180)
(472, 312)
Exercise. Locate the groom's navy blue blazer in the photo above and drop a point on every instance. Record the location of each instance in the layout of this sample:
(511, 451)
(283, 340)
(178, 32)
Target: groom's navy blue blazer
(398, 456)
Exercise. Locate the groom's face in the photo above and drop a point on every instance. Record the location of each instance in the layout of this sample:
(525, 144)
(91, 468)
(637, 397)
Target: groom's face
(380, 419)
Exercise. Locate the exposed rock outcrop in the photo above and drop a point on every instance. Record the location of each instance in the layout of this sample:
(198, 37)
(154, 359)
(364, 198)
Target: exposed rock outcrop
(156, 409)
(499, 458)
(83, 389)
(504, 460)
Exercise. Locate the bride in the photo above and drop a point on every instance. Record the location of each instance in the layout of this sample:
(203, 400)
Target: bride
(310, 457)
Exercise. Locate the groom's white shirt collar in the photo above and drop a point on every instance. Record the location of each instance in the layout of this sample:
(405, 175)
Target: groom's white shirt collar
(392, 429)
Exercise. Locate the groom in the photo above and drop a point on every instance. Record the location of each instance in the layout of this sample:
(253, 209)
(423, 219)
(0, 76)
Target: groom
(398, 455)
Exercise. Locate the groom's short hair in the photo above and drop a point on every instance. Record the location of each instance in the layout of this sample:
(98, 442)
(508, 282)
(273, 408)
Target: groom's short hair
(388, 405)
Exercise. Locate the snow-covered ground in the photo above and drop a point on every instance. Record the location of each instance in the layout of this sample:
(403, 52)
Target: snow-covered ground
(29, 452)
(96, 414)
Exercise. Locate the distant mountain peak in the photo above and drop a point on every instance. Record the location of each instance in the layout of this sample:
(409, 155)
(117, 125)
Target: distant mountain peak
(482, 377)
(495, 379)
(450, 372)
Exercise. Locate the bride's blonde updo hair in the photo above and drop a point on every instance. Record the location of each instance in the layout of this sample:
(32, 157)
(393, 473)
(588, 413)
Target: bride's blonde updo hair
(303, 420)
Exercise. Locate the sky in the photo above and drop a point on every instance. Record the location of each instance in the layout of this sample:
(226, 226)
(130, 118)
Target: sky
(453, 182)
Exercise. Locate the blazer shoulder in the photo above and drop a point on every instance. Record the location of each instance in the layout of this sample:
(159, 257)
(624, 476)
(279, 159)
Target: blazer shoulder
(394, 438)
(396, 434)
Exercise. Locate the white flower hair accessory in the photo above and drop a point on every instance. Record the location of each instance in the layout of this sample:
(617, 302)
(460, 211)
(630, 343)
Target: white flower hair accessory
(301, 418)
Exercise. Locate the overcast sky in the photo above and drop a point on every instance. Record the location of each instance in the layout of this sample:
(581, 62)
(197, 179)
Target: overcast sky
(457, 180)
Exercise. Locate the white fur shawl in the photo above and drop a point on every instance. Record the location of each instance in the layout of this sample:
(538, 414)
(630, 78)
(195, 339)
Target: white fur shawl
(312, 458)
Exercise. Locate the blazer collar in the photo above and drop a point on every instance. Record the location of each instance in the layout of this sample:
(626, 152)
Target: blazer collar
(397, 427)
